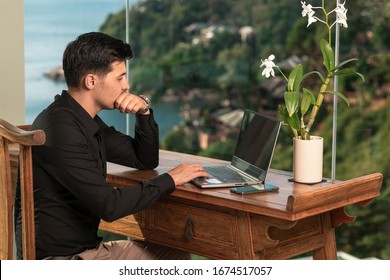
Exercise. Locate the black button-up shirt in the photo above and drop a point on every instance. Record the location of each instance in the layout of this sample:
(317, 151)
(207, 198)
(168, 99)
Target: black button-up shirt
(70, 189)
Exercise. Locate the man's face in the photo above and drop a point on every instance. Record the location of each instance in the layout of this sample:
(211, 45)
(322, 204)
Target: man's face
(112, 85)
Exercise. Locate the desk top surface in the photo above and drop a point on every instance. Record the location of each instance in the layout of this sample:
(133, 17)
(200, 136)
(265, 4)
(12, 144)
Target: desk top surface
(292, 201)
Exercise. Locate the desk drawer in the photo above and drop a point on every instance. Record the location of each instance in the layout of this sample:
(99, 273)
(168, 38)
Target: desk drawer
(195, 228)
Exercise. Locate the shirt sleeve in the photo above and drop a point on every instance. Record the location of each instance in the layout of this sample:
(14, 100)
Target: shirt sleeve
(67, 158)
(141, 152)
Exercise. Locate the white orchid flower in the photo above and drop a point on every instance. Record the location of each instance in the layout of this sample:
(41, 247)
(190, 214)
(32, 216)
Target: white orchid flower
(340, 9)
(269, 66)
(341, 15)
(311, 19)
(307, 10)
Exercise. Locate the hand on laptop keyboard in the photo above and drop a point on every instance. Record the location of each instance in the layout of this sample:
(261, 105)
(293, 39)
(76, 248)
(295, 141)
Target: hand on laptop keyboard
(185, 172)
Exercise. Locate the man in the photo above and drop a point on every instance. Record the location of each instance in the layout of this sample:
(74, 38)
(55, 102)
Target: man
(70, 189)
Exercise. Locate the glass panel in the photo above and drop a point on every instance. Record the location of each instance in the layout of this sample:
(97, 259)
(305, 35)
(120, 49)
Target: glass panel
(49, 26)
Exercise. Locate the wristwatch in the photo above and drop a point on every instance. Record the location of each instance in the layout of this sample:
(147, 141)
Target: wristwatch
(147, 107)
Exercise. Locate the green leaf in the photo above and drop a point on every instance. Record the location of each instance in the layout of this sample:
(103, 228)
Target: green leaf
(295, 78)
(291, 99)
(283, 112)
(327, 54)
(298, 77)
(339, 94)
(360, 75)
(308, 98)
(314, 72)
(345, 62)
(348, 72)
(293, 121)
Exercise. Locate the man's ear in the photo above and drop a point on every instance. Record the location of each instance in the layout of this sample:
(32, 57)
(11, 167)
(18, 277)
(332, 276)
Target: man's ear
(90, 81)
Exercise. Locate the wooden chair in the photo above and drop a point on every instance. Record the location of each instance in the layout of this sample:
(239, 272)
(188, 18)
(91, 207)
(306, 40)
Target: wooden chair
(14, 139)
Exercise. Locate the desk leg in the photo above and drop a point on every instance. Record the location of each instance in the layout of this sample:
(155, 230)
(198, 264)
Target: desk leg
(329, 251)
(245, 236)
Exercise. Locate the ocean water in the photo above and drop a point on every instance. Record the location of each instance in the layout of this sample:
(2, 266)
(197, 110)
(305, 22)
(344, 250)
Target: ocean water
(49, 26)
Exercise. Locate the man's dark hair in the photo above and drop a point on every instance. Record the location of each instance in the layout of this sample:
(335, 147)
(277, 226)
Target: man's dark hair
(92, 52)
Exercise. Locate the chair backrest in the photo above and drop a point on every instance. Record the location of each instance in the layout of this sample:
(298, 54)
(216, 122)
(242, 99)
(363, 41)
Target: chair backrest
(16, 141)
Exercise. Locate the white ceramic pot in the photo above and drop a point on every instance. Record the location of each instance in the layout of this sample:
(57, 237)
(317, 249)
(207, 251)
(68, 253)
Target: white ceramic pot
(308, 158)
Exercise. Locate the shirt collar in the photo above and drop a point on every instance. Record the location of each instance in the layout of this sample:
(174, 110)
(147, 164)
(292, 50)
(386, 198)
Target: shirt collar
(81, 114)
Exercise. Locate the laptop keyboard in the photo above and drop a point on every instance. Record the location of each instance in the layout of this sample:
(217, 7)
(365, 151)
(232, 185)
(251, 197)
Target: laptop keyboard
(225, 174)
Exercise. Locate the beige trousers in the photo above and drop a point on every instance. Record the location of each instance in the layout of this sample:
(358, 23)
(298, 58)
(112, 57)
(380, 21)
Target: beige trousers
(131, 250)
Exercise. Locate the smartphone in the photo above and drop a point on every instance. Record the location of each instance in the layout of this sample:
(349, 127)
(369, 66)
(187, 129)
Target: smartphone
(254, 189)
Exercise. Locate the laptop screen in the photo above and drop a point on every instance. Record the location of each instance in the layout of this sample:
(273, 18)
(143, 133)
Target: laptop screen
(256, 143)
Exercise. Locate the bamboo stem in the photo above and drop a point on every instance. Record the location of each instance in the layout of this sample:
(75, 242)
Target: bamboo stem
(317, 105)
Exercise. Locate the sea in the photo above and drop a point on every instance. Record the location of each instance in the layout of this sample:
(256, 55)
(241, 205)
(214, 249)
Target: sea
(49, 26)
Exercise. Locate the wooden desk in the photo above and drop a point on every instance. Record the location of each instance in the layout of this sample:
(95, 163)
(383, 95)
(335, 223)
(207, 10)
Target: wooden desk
(218, 224)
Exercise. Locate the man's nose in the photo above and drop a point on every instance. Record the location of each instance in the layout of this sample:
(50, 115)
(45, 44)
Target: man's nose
(126, 85)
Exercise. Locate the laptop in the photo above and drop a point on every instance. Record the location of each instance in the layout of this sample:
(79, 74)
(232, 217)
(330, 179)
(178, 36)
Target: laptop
(252, 156)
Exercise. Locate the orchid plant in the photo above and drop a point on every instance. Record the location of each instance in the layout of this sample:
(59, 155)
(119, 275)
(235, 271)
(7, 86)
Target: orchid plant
(298, 100)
